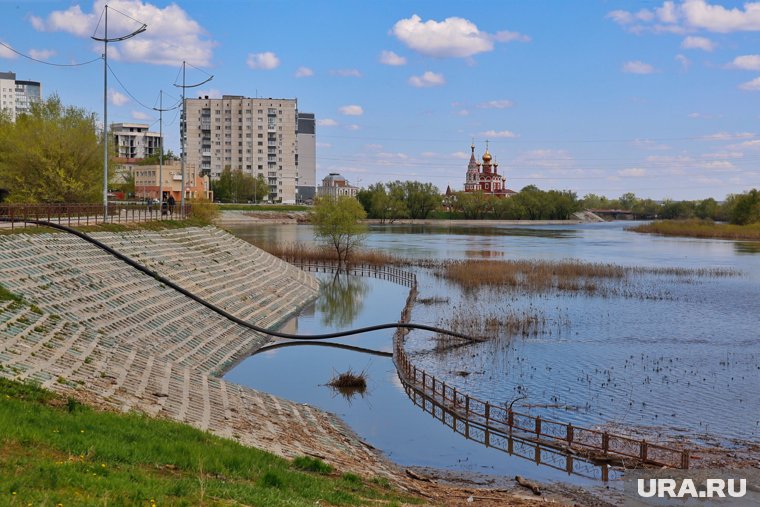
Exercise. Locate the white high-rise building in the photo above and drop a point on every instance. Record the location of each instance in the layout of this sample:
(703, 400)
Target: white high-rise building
(133, 140)
(17, 96)
(255, 135)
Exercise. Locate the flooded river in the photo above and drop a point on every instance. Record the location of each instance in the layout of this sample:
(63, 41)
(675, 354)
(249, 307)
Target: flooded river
(667, 356)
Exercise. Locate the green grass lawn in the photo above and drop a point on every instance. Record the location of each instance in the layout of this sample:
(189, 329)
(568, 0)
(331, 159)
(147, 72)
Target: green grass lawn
(58, 452)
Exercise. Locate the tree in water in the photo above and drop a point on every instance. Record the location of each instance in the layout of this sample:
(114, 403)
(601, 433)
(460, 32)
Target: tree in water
(337, 223)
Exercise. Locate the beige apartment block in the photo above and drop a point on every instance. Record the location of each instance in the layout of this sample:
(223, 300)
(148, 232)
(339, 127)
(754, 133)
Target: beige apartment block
(135, 141)
(148, 180)
(255, 135)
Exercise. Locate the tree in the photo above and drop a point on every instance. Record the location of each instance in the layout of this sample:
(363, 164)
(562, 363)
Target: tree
(53, 154)
(743, 209)
(421, 198)
(383, 201)
(237, 186)
(474, 205)
(337, 224)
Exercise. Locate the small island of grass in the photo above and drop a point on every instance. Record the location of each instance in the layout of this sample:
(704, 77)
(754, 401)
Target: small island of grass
(701, 229)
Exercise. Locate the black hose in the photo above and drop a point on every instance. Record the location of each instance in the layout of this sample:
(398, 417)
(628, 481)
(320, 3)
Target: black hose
(342, 346)
(229, 316)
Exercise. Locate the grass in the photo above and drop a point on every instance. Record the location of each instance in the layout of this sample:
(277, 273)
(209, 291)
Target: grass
(57, 451)
(545, 276)
(264, 207)
(6, 295)
(158, 225)
(501, 324)
(700, 229)
(303, 253)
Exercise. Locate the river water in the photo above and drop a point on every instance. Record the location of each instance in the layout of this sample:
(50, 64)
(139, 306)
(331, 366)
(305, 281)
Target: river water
(665, 356)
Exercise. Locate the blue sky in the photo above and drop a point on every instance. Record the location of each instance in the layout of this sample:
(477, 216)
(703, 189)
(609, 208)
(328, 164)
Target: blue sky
(655, 97)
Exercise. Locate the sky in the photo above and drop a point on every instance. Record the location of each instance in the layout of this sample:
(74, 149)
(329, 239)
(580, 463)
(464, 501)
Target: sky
(659, 98)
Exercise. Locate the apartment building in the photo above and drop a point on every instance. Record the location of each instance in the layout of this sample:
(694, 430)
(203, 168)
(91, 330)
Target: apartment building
(133, 140)
(306, 158)
(17, 96)
(255, 135)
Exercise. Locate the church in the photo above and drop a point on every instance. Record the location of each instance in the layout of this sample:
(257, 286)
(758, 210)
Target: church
(485, 177)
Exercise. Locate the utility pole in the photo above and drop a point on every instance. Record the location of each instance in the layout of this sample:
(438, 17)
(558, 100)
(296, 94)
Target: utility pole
(105, 40)
(183, 131)
(161, 111)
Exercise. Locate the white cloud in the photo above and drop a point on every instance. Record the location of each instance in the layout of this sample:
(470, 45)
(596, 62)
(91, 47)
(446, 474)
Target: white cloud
(725, 154)
(703, 43)
(41, 54)
(324, 145)
(327, 122)
(427, 80)
(116, 98)
(351, 110)
(139, 115)
(685, 62)
(637, 67)
(346, 72)
(702, 116)
(692, 15)
(718, 165)
(452, 37)
(463, 112)
(500, 133)
(391, 58)
(728, 136)
(304, 72)
(495, 104)
(746, 62)
(751, 86)
(353, 126)
(263, 61)
(172, 36)
(211, 93)
(633, 172)
(7, 53)
(747, 145)
(374, 146)
(460, 155)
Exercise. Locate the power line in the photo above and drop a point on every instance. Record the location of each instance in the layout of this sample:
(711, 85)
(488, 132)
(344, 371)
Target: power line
(49, 63)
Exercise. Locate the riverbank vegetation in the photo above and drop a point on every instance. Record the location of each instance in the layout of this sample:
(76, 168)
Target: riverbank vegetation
(237, 186)
(337, 225)
(701, 229)
(537, 276)
(53, 154)
(59, 452)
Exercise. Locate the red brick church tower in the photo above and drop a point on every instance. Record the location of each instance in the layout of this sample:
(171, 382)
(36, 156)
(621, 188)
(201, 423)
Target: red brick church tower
(485, 177)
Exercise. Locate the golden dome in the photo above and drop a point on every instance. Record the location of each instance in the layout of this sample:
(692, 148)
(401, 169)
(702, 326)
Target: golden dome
(486, 156)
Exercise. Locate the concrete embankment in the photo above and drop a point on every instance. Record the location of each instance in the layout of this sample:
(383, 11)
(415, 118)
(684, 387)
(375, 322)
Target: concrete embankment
(96, 329)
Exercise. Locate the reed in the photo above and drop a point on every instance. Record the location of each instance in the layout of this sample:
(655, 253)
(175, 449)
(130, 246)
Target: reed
(302, 253)
(700, 229)
(567, 275)
(491, 325)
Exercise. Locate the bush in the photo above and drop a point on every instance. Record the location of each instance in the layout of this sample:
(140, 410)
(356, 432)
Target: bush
(309, 464)
(203, 211)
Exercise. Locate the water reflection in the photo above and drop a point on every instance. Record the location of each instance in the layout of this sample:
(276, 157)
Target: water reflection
(747, 247)
(341, 299)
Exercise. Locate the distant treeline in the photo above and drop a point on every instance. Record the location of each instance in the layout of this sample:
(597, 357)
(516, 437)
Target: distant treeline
(413, 199)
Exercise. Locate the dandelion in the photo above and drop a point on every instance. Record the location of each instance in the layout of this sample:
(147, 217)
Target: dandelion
(103, 465)
(14, 493)
(81, 431)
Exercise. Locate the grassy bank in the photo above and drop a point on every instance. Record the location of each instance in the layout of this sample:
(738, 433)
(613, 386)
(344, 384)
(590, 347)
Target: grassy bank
(700, 229)
(158, 225)
(264, 207)
(58, 452)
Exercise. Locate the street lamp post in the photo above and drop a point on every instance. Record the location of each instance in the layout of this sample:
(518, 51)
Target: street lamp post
(183, 131)
(105, 40)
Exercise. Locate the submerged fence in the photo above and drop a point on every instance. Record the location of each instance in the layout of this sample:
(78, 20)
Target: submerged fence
(497, 425)
(393, 274)
(90, 214)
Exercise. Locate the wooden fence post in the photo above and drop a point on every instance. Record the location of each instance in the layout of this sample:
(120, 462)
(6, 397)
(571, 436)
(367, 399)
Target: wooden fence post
(488, 412)
(685, 459)
(643, 450)
(570, 434)
(538, 426)
(605, 443)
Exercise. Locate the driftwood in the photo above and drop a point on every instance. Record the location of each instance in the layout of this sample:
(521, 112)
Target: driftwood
(534, 487)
